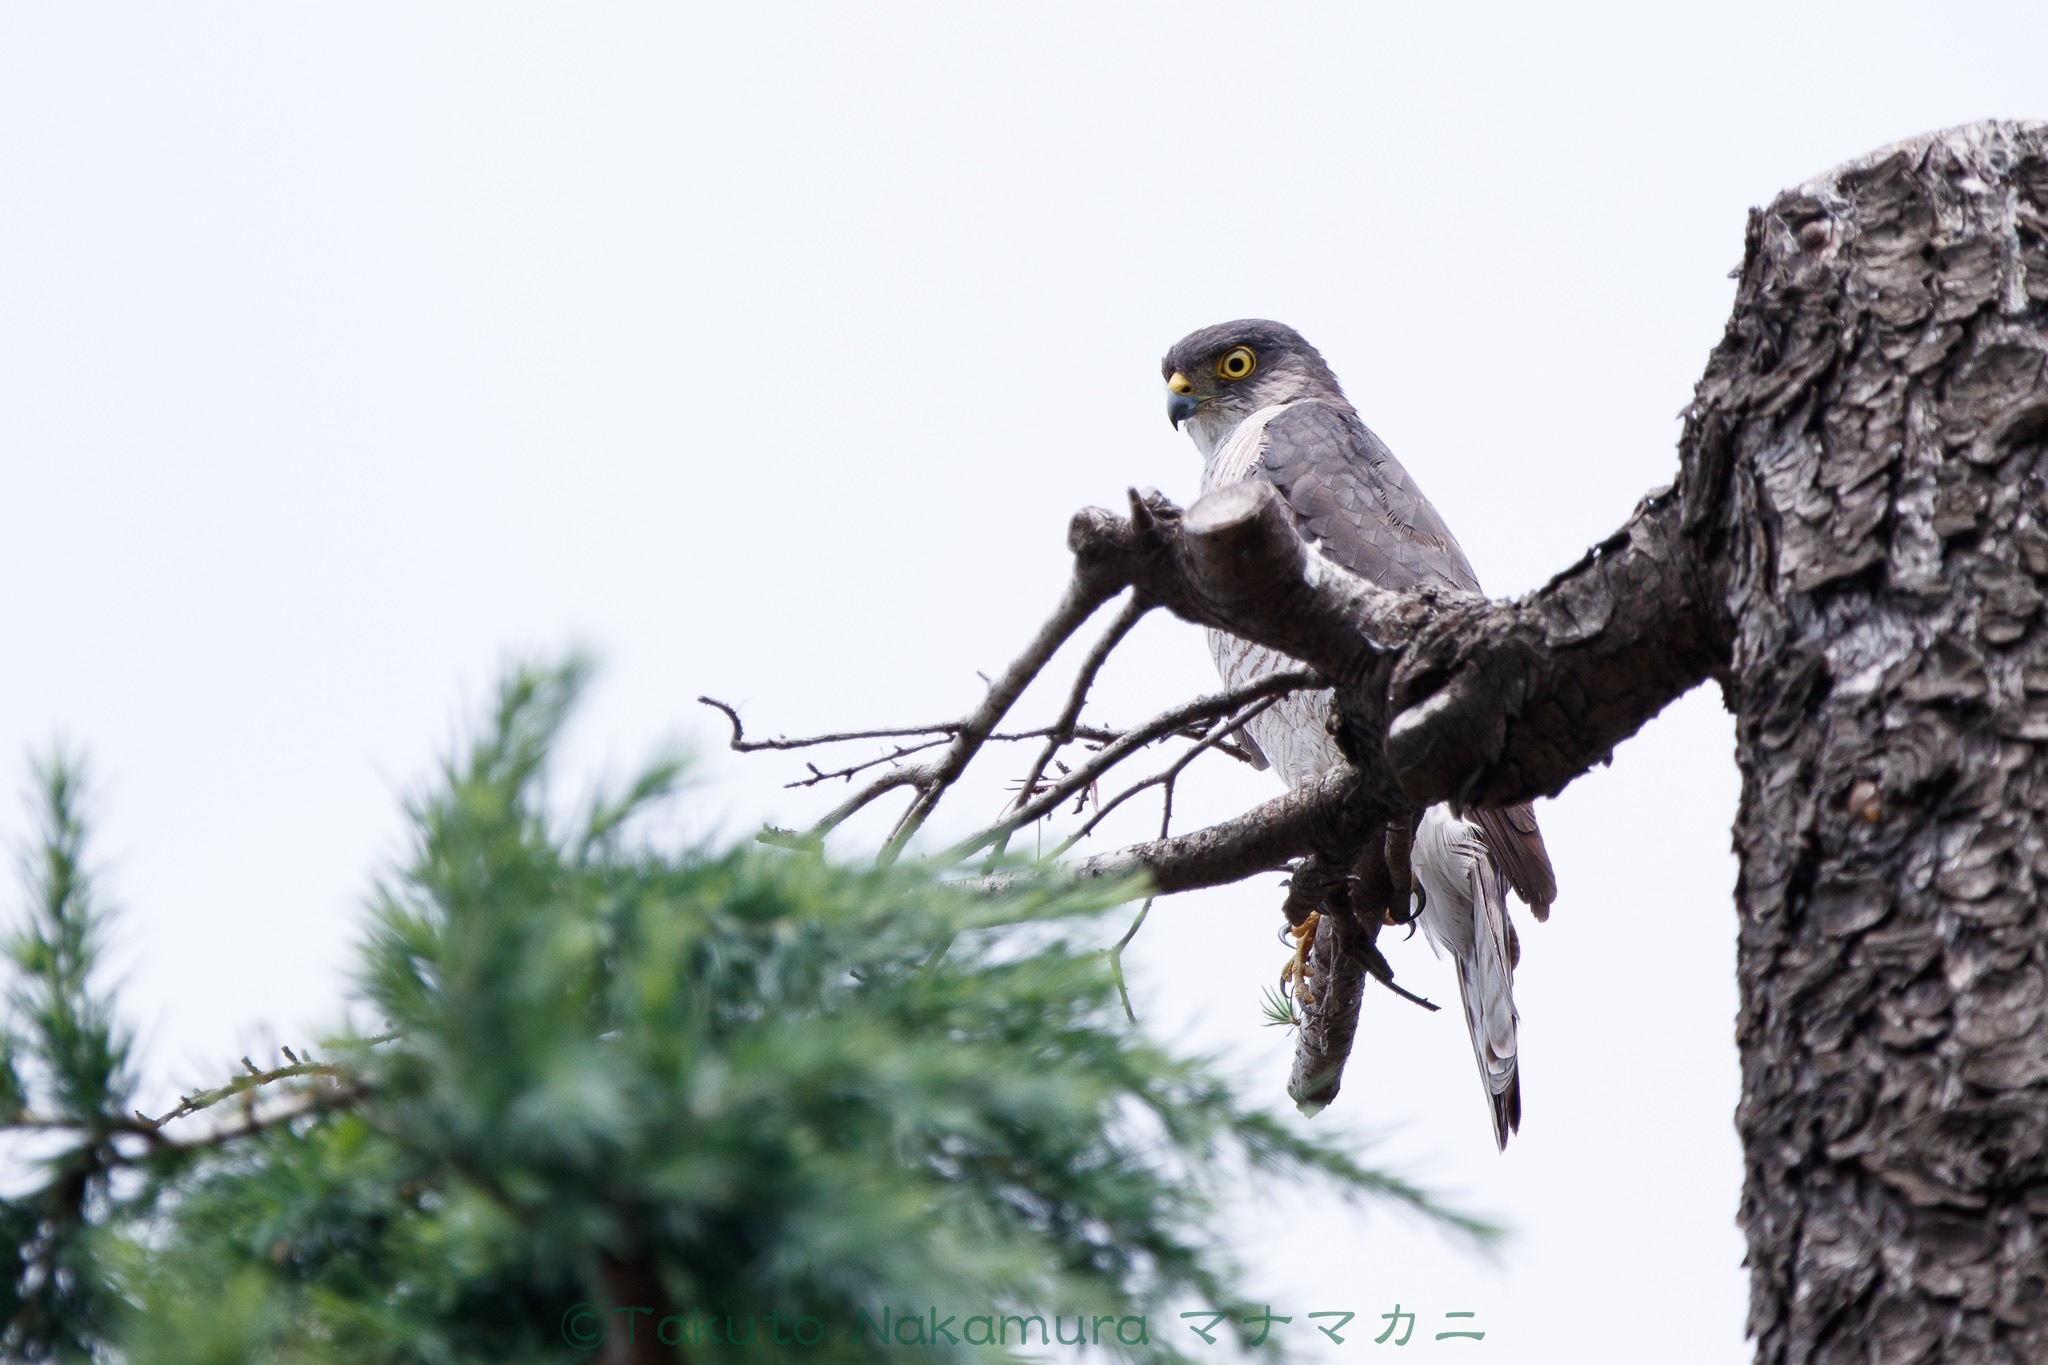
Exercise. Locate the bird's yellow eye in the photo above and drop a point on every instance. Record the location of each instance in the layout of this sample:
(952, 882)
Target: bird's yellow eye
(1237, 362)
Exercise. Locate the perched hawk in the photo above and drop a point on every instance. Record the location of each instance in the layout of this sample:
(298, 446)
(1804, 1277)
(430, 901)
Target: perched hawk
(1260, 403)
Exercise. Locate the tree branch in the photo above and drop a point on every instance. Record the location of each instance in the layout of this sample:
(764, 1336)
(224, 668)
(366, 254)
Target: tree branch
(1439, 695)
(939, 734)
(1161, 726)
(1088, 590)
(1330, 1021)
(1482, 702)
(1499, 702)
(1061, 732)
(1172, 772)
(1336, 812)
(740, 744)
(253, 1079)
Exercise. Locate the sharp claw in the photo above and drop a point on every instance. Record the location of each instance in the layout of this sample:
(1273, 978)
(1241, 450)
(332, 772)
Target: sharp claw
(1295, 970)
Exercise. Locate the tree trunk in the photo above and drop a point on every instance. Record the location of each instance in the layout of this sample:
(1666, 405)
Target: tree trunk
(1866, 472)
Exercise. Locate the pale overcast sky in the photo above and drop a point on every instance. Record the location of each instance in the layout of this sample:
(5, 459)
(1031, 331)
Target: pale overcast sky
(347, 352)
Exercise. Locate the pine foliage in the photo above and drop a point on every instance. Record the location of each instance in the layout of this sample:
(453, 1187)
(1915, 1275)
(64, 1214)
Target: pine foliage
(739, 1089)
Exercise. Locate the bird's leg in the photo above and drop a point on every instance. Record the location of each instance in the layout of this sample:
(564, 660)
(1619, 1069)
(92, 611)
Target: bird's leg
(1294, 975)
(1313, 888)
(1373, 891)
(1308, 886)
(1373, 895)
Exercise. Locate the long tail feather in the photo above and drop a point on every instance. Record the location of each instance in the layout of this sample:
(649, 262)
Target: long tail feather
(1465, 914)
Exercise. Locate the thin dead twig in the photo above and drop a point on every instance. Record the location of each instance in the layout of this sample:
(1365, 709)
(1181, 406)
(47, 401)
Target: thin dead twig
(1085, 592)
(311, 1102)
(1116, 955)
(1161, 726)
(739, 743)
(254, 1079)
(847, 773)
(1061, 732)
(342, 1089)
(879, 787)
(943, 731)
(1094, 734)
(1171, 774)
(913, 776)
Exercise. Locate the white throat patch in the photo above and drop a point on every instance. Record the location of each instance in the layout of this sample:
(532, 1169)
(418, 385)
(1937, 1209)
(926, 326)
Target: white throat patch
(1228, 456)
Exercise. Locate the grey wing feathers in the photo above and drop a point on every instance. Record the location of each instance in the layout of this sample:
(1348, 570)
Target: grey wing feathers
(1350, 494)
(1517, 846)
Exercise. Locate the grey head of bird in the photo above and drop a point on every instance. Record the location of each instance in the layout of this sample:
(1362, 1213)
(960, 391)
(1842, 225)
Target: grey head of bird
(1217, 377)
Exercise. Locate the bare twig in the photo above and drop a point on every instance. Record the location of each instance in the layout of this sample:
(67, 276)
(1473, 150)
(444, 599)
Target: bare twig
(311, 1102)
(941, 732)
(1093, 733)
(1171, 774)
(1061, 732)
(739, 743)
(1089, 588)
(1161, 726)
(342, 1088)
(880, 786)
(1085, 592)
(930, 779)
(1116, 954)
(254, 1079)
(1116, 958)
(901, 751)
(1336, 810)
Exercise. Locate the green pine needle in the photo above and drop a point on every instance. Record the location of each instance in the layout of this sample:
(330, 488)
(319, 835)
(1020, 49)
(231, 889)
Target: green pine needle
(1278, 1009)
(627, 1074)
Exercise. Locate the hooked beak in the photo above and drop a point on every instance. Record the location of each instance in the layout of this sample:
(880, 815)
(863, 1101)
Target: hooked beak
(1180, 399)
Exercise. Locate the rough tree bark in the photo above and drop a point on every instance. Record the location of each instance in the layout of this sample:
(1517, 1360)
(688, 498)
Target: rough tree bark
(1865, 468)
(1854, 549)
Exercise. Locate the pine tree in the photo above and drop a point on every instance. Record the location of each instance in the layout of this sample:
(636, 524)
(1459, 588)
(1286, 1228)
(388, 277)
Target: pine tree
(664, 1102)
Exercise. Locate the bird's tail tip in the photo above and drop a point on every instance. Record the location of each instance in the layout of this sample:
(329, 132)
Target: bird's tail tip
(1507, 1110)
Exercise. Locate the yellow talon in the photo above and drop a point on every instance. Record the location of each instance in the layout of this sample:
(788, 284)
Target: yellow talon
(1296, 968)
